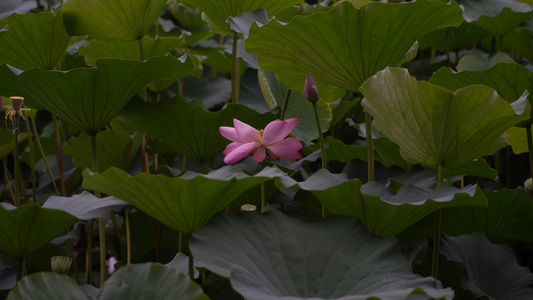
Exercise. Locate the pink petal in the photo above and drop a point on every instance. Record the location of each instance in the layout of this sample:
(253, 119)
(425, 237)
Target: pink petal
(288, 148)
(230, 133)
(277, 130)
(240, 152)
(274, 132)
(231, 147)
(246, 132)
(260, 154)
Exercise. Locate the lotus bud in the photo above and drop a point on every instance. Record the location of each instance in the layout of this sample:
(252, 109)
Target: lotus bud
(310, 89)
(528, 185)
(16, 102)
(61, 264)
(248, 207)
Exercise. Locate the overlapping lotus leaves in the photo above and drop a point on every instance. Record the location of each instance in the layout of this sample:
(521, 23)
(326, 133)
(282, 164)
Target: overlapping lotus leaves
(507, 218)
(145, 281)
(111, 20)
(496, 16)
(491, 271)
(216, 12)
(383, 211)
(345, 46)
(183, 203)
(129, 49)
(88, 98)
(114, 150)
(86, 206)
(334, 258)
(194, 131)
(33, 40)
(454, 39)
(510, 80)
(434, 126)
(28, 228)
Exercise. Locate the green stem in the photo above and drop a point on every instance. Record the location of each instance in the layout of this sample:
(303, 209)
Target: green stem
(128, 236)
(32, 161)
(263, 198)
(101, 221)
(320, 137)
(16, 200)
(20, 265)
(235, 71)
(38, 140)
(530, 148)
(285, 104)
(437, 230)
(7, 179)
(59, 157)
(369, 147)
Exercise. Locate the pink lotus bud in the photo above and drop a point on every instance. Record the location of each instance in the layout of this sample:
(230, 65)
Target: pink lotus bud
(310, 89)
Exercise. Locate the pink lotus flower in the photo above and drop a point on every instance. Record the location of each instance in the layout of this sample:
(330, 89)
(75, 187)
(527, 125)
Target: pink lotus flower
(247, 140)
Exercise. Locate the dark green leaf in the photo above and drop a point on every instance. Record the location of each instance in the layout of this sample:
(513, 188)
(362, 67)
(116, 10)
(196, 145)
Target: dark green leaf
(33, 40)
(183, 203)
(507, 219)
(344, 46)
(491, 270)
(111, 20)
(435, 126)
(26, 229)
(88, 98)
(114, 150)
(335, 258)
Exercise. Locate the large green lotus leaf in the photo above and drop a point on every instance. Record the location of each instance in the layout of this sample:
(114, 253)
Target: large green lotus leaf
(150, 281)
(519, 42)
(490, 270)
(187, 128)
(345, 46)
(334, 258)
(454, 39)
(473, 62)
(86, 206)
(183, 203)
(434, 126)
(507, 219)
(7, 141)
(510, 80)
(136, 282)
(129, 49)
(88, 98)
(111, 20)
(496, 16)
(517, 139)
(114, 150)
(383, 211)
(26, 229)
(216, 12)
(33, 40)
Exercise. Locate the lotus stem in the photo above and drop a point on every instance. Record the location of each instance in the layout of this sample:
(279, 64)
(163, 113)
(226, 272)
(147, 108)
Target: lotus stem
(285, 104)
(437, 230)
(40, 146)
(101, 221)
(59, 156)
(320, 137)
(88, 254)
(369, 147)
(7, 179)
(263, 198)
(235, 71)
(32, 162)
(128, 236)
(16, 199)
(530, 148)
